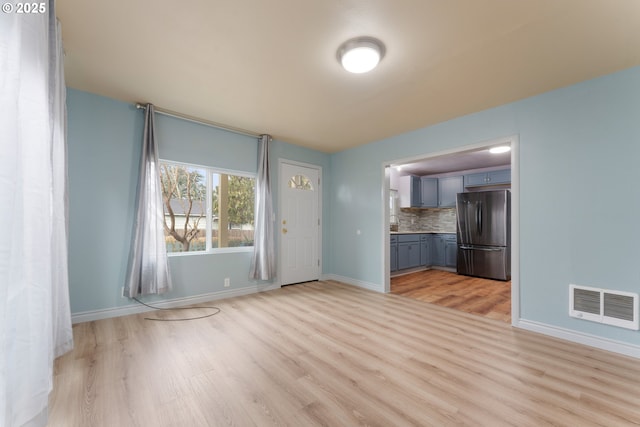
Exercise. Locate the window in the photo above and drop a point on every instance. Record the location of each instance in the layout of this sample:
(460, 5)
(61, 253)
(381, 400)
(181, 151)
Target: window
(300, 182)
(206, 210)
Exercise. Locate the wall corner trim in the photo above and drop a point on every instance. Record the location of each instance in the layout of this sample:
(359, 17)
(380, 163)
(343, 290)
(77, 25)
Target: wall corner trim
(359, 283)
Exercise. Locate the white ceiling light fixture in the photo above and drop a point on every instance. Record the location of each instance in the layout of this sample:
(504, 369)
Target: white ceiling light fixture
(500, 149)
(361, 54)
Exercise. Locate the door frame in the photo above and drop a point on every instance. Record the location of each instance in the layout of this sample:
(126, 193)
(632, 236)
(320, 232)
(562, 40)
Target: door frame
(281, 162)
(514, 141)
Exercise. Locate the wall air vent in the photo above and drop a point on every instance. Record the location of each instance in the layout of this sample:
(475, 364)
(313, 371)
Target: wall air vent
(615, 308)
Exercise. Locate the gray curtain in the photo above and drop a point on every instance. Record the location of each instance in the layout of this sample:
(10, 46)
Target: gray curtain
(263, 265)
(148, 266)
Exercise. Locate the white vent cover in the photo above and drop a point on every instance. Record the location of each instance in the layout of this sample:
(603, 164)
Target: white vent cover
(615, 308)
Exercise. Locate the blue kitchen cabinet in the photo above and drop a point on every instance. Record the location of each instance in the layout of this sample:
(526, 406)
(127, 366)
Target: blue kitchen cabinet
(393, 253)
(408, 251)
(450, 251)
(448, 189)
(425, 250)
(444, 250)
(475, 179)
(428, 192)
(497, 177)
(409, 191)
(437, 250)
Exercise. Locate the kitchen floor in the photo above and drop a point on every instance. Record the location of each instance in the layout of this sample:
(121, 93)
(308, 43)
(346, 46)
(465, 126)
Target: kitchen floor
(484, 297)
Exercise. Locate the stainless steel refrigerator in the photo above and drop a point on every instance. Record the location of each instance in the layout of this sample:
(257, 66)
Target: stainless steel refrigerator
(484, 234)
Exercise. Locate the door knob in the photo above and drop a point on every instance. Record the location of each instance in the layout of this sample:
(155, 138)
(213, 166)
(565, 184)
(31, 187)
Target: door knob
(284, 231)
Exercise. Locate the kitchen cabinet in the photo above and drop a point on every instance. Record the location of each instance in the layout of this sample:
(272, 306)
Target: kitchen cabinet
(422, 250)
(393, 253)
(408, 251)
(425, 250)
(437, 250)
(444, 251)
(497, 177)
(428, 192)
(409, 191)
(448, 188)
(450, 251)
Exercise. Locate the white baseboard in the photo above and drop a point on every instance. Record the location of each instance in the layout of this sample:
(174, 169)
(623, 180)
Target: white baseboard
(88, 316)
(580, 338)
(595, 341)
(354, 282)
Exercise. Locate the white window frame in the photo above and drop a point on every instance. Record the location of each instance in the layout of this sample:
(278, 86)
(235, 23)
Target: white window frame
(210, 170)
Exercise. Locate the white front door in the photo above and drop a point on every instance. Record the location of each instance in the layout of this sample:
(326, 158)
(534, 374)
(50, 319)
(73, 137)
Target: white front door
(299, 225)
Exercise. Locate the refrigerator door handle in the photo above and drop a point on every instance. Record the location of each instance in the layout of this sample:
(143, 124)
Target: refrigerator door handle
(480, 217)
(476, 248)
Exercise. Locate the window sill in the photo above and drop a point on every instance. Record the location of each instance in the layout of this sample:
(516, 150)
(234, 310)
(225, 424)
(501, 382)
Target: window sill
(215, 251)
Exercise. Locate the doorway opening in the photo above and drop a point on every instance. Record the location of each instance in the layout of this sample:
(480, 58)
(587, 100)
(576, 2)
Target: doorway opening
(408, 215)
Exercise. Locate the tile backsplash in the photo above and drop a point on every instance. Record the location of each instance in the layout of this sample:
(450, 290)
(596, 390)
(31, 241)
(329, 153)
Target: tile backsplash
(441, 220)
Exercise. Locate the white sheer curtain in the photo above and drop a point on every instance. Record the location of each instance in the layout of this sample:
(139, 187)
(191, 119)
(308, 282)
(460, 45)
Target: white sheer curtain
(263, 263)
(148, 268)
(35, 322)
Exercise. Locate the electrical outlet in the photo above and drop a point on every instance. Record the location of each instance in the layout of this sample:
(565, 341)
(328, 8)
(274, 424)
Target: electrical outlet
(227, 282)
(122, 292)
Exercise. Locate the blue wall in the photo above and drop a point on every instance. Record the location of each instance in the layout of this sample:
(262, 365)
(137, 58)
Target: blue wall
(104, 138)
(579, 186)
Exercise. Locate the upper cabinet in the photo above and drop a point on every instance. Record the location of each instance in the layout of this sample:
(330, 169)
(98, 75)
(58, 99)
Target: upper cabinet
(448, 188)
(440, 192)
(498, 177)
(409, 191)
(428, 192)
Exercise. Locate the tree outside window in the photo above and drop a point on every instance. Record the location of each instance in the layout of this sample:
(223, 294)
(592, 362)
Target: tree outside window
(231, 203)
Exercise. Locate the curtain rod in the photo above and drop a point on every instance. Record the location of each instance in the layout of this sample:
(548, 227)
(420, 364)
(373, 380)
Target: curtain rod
(199, 121)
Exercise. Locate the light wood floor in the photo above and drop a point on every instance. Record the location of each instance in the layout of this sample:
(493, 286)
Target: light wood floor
(328, 354)
(484, 297)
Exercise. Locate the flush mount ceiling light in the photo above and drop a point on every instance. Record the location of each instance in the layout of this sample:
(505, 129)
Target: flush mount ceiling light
(500, 149)
(361, 54)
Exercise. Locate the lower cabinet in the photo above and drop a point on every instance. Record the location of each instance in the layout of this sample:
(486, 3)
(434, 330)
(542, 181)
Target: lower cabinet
(450, 252)
(408, 251)
(422, 250)
(425, 250)
(445, 250)
(437, 253)
(393, 253)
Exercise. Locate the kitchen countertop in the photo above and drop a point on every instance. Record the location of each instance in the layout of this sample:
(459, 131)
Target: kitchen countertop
(422, 232)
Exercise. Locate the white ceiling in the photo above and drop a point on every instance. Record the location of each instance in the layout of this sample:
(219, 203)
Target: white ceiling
(270, 66)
